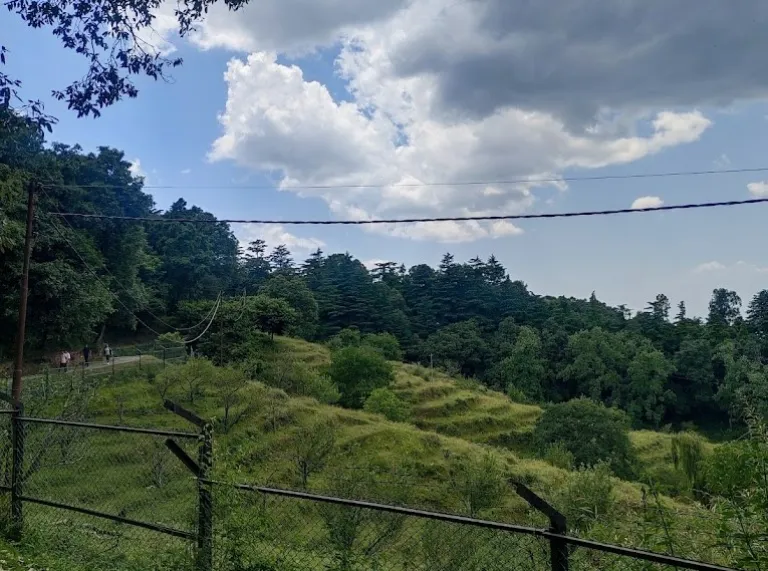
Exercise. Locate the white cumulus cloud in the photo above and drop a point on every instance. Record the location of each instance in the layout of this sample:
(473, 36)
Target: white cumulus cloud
(382, 152)
(713, 266)
(136, 170)
(758, 189)
(647, 202)
(274, 235)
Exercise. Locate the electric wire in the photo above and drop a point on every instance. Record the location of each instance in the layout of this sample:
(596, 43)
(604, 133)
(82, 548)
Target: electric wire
(519, 180)
(126, 291)
(576, 214)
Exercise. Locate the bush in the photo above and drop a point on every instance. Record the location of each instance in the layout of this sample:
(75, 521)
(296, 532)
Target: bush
(734, 467)
(311, 448)
(294, 377)
(481, 485)
(386, 343)
(592, 432)
(688, 456)
(357, 371)
(559, 456)
(170, 340)
(388, 404)
(587, 496)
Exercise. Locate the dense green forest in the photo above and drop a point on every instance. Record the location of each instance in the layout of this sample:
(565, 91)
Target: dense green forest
(94, 279)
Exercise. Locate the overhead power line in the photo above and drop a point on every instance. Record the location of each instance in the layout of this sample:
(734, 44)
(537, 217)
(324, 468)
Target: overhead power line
(583, 213)
(98, 279)
(519, 180)
(126, 290)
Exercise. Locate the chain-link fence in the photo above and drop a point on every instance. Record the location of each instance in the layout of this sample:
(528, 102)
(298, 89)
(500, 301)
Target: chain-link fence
(269, 529)
(100, 497)
(55, 382)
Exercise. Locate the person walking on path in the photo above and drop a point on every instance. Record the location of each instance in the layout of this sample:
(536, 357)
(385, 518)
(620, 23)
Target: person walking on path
(86, 355)
(107, 352)
(64, 359)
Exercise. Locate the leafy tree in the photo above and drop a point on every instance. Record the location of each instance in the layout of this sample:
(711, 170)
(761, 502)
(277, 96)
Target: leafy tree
(347, 337)
(353, 531)
(597, 361)
(694, 385)
(312, 446)
(256, 266)
(757, 312)
(757, 318)
(357, 371)
(724, 310)
(592, 432)
(111, 38)
(197, 260)
(273, 316)
(645, 395)
(280, 260)
(461, 344)
(387, 403)
(228, 386)
(192, 376)
(295, 291)
(523, 370)
(386, 344)
(293, 376)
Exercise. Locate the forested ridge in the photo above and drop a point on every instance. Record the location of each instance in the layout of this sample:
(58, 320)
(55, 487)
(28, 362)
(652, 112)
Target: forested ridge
(93, 280)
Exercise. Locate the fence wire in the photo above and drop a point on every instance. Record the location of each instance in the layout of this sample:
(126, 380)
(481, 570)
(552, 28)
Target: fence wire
(271, 532)
(67, 540)
(125, 474)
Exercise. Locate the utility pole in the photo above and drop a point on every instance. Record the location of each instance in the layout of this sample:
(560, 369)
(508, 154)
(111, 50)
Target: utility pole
(20, 335)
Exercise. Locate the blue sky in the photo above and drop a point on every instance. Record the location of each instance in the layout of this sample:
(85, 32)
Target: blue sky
(376, 96)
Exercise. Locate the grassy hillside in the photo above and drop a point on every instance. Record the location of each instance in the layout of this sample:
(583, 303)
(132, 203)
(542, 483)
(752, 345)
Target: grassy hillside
(453, 424)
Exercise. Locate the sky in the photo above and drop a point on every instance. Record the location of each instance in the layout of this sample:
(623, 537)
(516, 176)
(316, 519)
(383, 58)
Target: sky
(379, 101)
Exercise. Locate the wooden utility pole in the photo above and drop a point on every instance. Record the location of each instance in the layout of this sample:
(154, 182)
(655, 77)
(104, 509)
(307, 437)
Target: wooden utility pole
(20, 334)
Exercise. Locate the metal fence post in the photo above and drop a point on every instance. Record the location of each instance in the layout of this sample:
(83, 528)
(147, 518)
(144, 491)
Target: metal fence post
(17, 471)
(559, 554)
(205, 501)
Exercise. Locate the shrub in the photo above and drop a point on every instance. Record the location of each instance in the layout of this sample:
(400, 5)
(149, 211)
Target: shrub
(349, 337)
(170, 340)
(357, 371)
(559, 456)
(481, 485)
(734, 467)
(294, 377)
(688, 456)
(388, 404)
(592, 432)
(188, 379)
(386, 343)
(311, 448)
(587, 496)
(666, 479)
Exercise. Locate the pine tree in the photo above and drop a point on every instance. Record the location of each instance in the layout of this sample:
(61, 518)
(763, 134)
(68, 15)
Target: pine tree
(281, 261)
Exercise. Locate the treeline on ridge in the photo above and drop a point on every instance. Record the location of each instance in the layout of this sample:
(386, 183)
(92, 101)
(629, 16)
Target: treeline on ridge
(95, 279)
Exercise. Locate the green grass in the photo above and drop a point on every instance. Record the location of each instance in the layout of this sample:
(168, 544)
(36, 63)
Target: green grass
(11, 560)
(414, 463)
